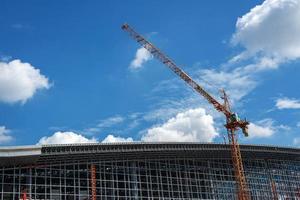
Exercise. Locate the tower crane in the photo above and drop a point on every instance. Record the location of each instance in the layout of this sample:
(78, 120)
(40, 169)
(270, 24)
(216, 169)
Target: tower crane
(233, 122)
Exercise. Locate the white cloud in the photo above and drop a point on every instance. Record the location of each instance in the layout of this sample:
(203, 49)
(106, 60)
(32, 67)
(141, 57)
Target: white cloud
(105, 123)
(286, 103)
(262, 129)
(142, 55)
(19, 81)
(271, 32)
(193, 125)
(4, 135)
(65, 138)
(298, 124)
(113, 139)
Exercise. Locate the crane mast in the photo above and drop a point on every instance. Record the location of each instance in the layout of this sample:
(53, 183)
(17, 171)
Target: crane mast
(233, 123)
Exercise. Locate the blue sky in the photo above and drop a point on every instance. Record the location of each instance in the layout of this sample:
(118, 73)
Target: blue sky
(67, 72)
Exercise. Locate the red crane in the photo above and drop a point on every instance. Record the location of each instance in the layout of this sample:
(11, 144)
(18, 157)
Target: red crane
(233, 123)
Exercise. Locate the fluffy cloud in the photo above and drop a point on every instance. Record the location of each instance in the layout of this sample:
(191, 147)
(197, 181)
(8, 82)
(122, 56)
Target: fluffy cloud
(142, 55)
(112, 139)
(270, 34)
(4, 135)
(72, 138)
(65, 138)
(193, 125)
(271, 31)
(19, 81)
(264, 128)
(286, 103)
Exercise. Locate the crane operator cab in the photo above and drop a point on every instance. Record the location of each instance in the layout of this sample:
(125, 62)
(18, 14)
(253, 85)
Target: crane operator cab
(243, 124)
(234, 117)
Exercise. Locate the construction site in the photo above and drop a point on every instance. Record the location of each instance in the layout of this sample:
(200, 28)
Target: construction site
(167, 171)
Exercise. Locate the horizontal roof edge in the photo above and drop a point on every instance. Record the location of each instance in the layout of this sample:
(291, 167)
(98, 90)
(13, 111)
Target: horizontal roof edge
(162, 143)
(15, 151)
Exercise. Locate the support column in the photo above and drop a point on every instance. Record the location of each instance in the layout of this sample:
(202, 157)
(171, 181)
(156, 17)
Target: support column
(133, 177)
(93, 181)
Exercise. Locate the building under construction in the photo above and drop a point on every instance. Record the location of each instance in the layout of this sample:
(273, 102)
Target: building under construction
(141, 171)
(146, 171)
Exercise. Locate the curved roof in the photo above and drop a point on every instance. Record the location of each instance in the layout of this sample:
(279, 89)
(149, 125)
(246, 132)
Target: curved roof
(31, 155)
